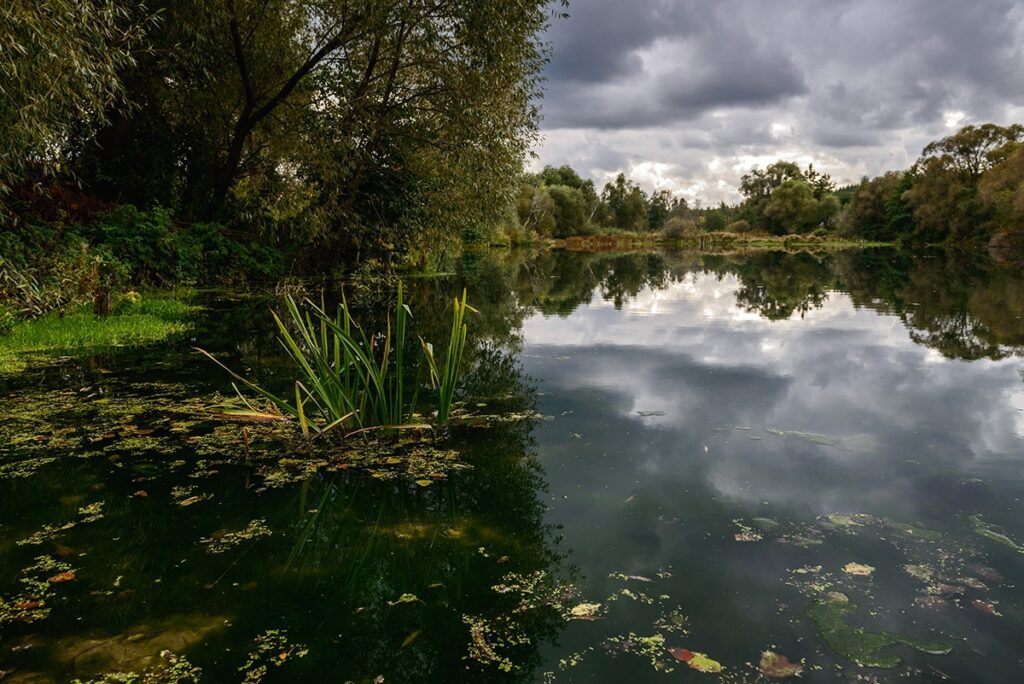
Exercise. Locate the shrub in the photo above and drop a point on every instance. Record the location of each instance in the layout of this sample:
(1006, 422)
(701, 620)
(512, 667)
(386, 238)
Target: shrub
(678, 229)
(740, 226)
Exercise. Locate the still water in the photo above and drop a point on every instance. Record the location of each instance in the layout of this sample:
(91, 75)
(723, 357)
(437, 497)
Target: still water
(681, 462)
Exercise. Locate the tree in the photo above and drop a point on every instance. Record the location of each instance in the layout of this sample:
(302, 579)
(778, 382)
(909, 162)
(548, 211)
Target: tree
(660, 209)
(570, 211)
(785, 199)
(59, 75)
(627, 204)
(365, 121)
(973, 149)
(944, 194)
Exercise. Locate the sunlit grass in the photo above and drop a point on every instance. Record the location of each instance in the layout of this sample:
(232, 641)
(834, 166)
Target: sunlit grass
(153, 318)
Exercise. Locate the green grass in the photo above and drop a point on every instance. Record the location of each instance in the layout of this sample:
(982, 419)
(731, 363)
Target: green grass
(79, 331)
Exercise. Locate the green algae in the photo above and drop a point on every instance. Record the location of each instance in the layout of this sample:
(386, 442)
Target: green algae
(173, 670)
(913, 531)
(30, 604)
(224, 541)
(994, 533)
(86, 514)
(272, 649)
(858, 644)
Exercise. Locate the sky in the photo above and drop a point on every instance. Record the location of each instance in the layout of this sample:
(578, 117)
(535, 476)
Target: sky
(688, 95)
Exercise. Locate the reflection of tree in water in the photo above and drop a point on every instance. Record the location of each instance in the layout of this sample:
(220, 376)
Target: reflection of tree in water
(965, 308)
(777, 285)
(361, 545)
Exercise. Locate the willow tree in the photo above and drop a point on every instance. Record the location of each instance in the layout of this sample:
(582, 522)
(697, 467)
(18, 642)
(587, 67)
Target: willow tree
(60, 66)
(353, 114)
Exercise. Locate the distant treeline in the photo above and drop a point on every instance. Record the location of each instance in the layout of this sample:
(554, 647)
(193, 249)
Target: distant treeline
(966, 190)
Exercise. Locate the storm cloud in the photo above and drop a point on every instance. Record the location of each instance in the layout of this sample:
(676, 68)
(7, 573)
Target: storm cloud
(689, 95)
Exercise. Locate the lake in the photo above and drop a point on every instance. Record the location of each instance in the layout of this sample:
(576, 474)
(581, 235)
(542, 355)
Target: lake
(670, 465)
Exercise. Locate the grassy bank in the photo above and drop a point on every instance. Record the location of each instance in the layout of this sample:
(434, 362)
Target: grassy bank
(713, 242)
(151, 318)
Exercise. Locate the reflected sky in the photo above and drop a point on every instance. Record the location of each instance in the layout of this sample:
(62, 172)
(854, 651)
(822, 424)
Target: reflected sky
(663, 421)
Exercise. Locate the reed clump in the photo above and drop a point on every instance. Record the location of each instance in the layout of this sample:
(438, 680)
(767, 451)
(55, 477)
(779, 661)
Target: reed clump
(356, 381)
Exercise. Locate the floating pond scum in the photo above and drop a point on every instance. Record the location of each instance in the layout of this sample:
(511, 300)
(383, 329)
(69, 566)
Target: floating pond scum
(587, 510)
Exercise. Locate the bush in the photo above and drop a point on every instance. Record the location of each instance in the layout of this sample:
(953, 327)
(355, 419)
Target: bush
(740, 226)
(47, 266)
(678, 229)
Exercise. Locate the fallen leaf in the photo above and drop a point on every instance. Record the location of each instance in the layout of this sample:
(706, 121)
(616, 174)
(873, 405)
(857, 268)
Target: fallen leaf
(141, 494)
(681, 654)
(778, 666)
(405, 598)
(586, 611)
(411, 638)
(696, 661)
(62, 577)
(701, 663)
(424, 483)
(986, 608)
(27, 605)
(858, 569)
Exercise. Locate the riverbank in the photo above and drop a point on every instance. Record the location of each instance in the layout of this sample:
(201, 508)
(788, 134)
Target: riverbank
(713, 242)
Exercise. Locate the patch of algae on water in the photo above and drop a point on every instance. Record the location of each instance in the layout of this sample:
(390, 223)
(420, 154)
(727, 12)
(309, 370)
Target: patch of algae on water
(988, 531)
(30, 603)
(173, 670)
(270, 649)
(221, 542)
(857, 643)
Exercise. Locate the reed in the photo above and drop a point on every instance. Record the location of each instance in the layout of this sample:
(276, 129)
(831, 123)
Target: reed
(356, 381)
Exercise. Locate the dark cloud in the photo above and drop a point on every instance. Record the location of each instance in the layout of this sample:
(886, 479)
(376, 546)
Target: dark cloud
(858, 84)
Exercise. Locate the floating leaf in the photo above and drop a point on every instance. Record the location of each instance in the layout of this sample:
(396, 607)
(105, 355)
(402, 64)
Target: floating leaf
(424, 483)
(681, 654)
(411, 638)
(701, 663)
(586, 611)
(405, 598)
(985, 607)
(696, 661)
(858, 569)
(778, 666)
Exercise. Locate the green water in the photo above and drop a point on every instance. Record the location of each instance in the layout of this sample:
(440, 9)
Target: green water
(814, 455)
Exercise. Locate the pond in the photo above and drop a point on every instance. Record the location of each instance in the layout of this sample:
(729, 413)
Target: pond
(676, 467)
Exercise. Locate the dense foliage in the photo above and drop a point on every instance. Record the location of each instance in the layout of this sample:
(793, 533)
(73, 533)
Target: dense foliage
(349, 127)
(966, 190)
(47, 266)
(60, 71)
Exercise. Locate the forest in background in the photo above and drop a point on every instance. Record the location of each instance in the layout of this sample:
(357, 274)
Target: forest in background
(965, 192)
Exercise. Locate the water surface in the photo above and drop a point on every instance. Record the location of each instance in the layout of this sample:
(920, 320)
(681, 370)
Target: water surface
(727, 455)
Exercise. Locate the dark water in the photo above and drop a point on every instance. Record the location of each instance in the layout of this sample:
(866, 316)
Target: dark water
(720, 437)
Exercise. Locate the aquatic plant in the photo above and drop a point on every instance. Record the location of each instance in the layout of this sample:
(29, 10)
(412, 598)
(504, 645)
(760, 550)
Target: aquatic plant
(352, 379)
(446, 380)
